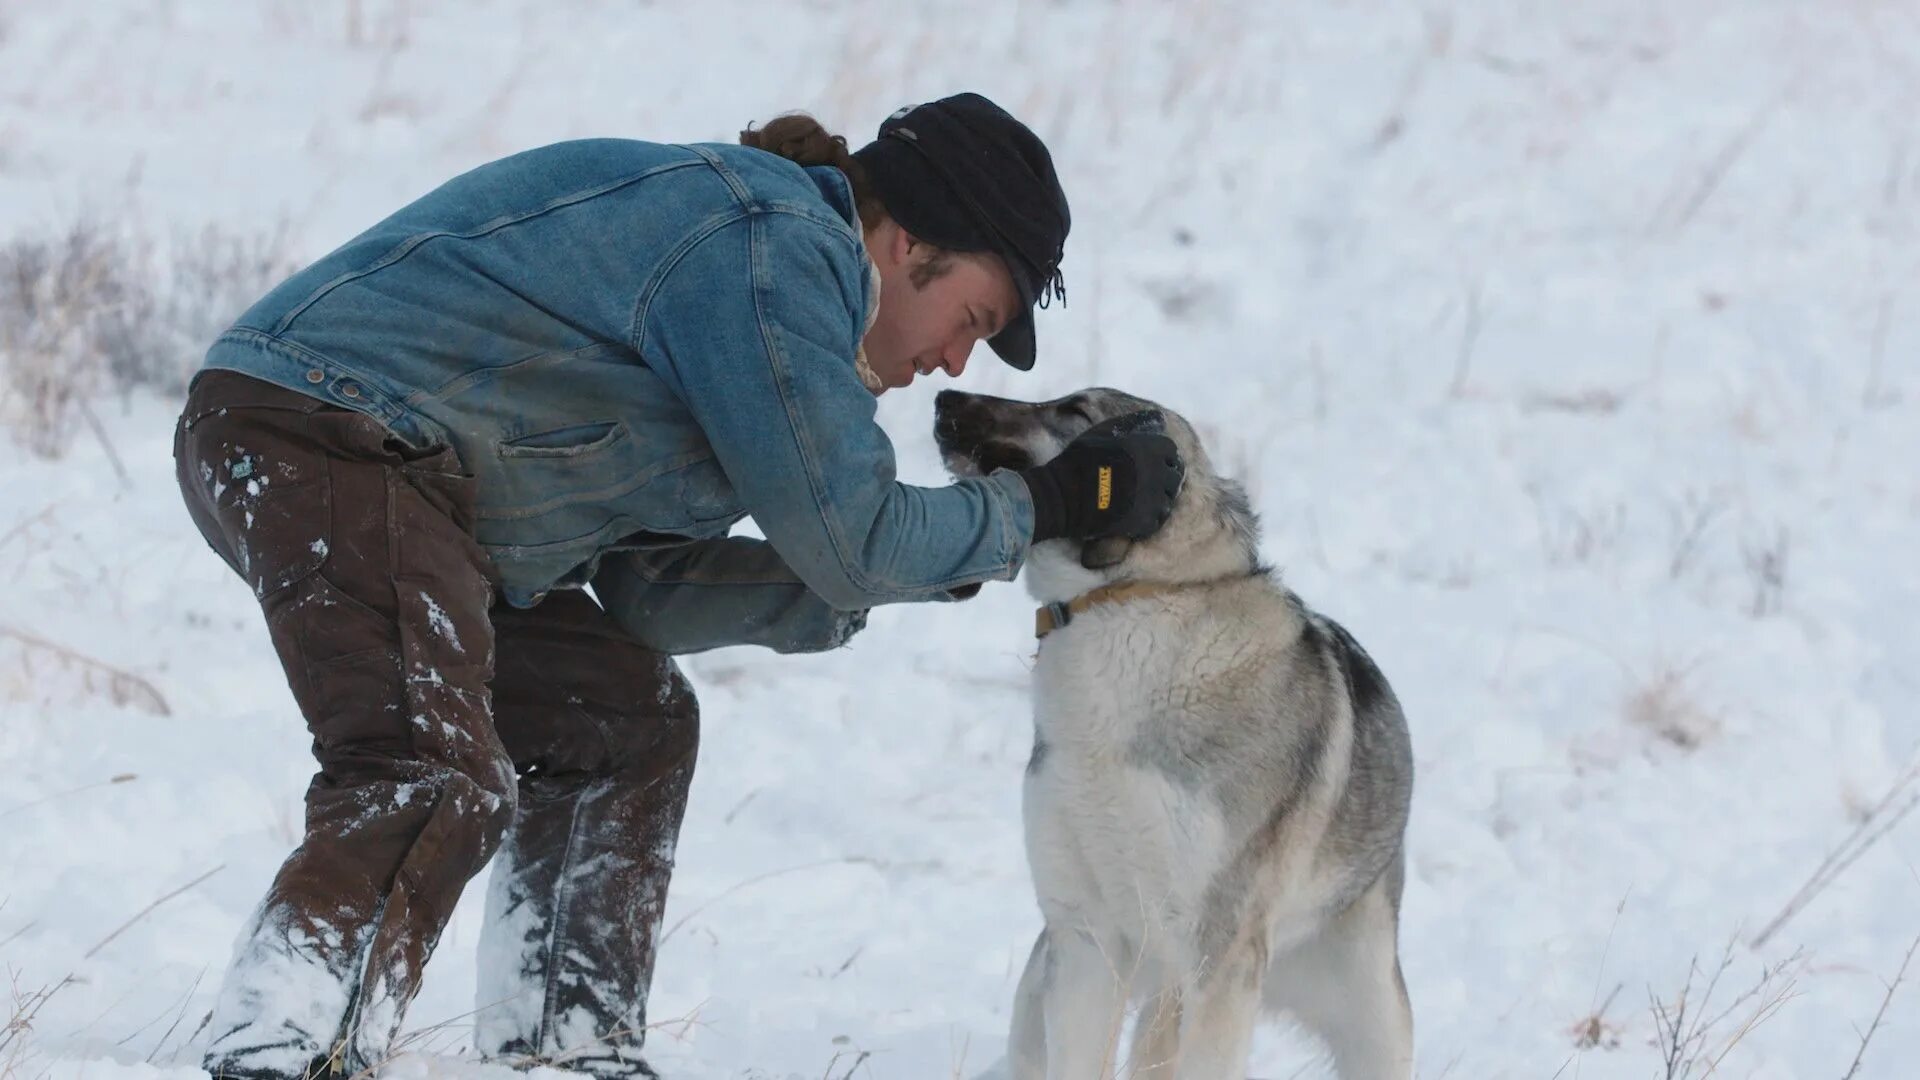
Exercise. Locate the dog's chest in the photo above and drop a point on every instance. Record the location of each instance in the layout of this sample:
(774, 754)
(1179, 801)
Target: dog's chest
(1112, 837)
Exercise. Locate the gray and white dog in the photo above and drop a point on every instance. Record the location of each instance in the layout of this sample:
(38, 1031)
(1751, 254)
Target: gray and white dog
(1218, 793)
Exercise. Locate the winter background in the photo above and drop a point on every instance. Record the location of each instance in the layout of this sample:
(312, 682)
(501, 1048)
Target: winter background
(1570, 350)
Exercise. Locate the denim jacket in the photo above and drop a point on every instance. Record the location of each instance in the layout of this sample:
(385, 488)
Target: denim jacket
(633, 346)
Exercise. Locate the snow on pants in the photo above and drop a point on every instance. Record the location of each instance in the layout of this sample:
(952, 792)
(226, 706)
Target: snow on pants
(445, 728)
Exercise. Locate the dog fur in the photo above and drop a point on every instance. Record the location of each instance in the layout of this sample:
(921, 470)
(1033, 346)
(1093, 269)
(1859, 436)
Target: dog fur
(1218, 793)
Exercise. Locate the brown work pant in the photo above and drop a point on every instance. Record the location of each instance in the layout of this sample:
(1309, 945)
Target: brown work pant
(575, 746)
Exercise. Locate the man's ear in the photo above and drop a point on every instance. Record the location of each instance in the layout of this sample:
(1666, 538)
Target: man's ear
(907, 249)
(888, 244)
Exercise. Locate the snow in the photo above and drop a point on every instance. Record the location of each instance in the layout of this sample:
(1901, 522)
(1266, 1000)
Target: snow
(279, 978)
(440, 622)
(1567, 350)
(510, 1008)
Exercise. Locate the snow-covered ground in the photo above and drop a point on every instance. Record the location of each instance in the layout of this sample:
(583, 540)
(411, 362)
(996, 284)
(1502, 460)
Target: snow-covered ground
(1571, 351)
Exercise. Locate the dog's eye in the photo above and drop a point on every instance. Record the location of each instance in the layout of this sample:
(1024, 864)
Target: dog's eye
(1075, 411)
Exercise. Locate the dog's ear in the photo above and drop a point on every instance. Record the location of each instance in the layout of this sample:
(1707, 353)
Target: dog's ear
(1104, 552)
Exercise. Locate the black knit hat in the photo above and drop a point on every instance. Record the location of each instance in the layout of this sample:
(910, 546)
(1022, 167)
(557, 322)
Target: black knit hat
(962, 174)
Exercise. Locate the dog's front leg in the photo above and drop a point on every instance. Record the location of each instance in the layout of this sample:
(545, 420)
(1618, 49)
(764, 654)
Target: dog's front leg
(1027, 1041)
(1221, 1006)
(1085, 1004)
(1156, 1037)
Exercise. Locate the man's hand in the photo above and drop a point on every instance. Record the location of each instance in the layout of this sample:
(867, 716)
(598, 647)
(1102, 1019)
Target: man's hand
(1119, 478)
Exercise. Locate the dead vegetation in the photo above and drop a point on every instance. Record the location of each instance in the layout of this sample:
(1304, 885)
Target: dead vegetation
(100, 310)
(1893, 987)
(1871, 825)
(1692, 1039)
(1689, 520)
(42, 666)
(1665, 706)
(1576, 536)
(1765, 554)
(23, 1007)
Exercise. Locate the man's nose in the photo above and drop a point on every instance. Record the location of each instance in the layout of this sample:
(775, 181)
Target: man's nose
(954, 359)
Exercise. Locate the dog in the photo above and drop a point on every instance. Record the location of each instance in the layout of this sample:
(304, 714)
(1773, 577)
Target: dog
(1217, 798)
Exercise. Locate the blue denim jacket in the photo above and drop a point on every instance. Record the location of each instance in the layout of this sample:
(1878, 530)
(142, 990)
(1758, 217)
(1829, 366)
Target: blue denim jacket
(633, 346)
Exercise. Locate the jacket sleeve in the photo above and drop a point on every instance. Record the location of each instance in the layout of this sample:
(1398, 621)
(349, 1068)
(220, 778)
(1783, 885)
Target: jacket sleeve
(715, 593)
(756, 326)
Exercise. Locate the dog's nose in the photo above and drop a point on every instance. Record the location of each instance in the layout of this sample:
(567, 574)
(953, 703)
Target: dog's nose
(949, 400)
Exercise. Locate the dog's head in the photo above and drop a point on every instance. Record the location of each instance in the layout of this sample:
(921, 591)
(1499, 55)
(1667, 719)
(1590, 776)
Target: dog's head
(1212, 532)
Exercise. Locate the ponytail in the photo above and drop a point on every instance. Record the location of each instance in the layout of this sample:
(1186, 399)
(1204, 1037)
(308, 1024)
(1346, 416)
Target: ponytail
(802, 140)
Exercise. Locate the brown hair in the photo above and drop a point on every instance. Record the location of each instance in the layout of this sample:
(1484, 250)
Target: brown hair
(802, 140)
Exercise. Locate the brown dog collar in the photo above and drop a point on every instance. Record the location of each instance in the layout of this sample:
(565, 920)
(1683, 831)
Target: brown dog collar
(1056, 615)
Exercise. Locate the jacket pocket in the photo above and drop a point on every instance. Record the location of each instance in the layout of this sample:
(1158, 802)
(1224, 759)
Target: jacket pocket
(574, 441)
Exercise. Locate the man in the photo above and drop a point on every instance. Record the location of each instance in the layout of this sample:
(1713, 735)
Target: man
(582, 365)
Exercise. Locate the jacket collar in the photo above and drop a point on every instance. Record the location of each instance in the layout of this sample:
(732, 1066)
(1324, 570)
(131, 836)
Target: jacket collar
(838, 193)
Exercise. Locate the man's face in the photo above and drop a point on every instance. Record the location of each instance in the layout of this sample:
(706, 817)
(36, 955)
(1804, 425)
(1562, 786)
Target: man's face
(934, 307)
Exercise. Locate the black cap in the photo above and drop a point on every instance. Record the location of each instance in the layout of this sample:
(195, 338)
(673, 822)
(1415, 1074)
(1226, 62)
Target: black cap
(962, 174)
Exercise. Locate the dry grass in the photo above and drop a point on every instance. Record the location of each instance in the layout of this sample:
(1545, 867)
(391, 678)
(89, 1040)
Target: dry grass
(16, 1036)
(431, 1039)
(1594, 1030)
(1586, 401)
(1692, 1039)
(1460, 386)
(101, 309)
(24, 1005)
(1688, 523)
(1902, 797)
(148, 910)
(71, 311)
(1573, 536)
(1765, 555)
(1665, 706)
(1893, 987)
(40, 660)
(119, 778)
(203, 280)
(1877, 394)
(849, 1061)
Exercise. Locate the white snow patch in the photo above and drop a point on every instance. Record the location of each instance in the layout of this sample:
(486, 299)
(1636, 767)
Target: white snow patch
(280, 1004)
(441, 622)
(509, 999)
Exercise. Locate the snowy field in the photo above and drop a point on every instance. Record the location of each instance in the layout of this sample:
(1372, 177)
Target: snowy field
(1571, 351)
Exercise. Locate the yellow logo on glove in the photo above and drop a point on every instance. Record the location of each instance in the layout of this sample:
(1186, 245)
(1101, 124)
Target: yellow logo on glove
(1106, 487)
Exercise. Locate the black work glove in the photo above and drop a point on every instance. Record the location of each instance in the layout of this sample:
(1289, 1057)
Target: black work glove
(1119, 478)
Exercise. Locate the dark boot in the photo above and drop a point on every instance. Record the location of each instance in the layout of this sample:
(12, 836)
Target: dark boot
(319, 1068)
(604, 733)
